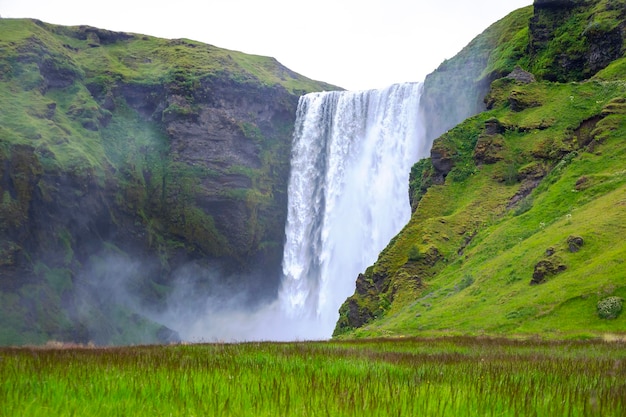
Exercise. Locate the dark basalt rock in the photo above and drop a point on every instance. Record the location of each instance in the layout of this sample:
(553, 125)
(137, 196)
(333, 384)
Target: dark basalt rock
(546, 268)
(97, 36)
(521, 76)
(575, 243)
(442, 161)
(494, 127)
(488, 149)
(574, 60)
(489, 146)
(56, 75)
(357, 314)
(549, 4)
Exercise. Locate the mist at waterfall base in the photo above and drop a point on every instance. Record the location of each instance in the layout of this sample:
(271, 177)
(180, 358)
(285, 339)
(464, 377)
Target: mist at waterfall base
(348, 196)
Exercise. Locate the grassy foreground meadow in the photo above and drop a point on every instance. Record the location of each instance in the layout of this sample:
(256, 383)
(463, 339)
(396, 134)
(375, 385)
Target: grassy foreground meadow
(455, 376)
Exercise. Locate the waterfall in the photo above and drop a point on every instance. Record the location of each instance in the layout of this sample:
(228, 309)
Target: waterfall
(348, 195)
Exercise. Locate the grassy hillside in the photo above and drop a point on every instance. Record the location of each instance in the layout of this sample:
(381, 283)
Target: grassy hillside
(520, 215)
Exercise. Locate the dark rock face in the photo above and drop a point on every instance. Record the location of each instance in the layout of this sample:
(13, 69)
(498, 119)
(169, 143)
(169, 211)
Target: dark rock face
(357, 314)
(546, 268)
(356, 311)
(530, 178)
(493, 127)
(604, 47)
(575, 243)
(568, 56)
(521, 76)
(547, 4)
(490, 144)
(97, 35)
(442, 161)
(488, 149)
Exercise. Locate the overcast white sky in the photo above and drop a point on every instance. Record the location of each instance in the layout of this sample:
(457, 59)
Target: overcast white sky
(355, 44)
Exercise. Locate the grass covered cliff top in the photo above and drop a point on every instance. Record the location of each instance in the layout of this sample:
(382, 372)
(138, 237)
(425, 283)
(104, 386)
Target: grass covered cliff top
(47, 66)
(98, 55)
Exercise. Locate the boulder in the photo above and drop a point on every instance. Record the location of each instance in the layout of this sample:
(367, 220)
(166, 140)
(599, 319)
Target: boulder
(575, 243)
(493, 126)
(488, 149)
(441, 158)
(546, 268)
(521, 76)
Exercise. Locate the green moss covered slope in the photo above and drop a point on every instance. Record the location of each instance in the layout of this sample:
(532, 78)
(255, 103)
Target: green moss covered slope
(520, 213)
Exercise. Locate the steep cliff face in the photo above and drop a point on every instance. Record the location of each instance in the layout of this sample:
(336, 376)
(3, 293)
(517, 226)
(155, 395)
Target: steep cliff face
(124, 159)
(573, 40)
(498, 207)
(456, 89)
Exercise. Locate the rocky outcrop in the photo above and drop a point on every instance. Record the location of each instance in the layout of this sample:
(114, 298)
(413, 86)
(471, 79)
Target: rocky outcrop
(442, 160)
(572, 41)
(521, 76)
(546, 268)
(575, 243)
(549, 4)
(488, 149)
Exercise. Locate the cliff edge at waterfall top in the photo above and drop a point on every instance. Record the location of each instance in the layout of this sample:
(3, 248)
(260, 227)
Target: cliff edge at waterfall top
(520, 211)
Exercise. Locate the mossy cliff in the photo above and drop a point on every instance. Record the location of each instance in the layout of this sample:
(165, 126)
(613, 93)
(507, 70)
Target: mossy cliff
(520, 213)
(123, 154)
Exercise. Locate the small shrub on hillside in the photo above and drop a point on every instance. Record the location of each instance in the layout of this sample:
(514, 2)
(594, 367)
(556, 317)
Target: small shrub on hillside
(610, 307)
(524, 206)
(462, 171)
(415, 254)
(464, 283)
(511, 175)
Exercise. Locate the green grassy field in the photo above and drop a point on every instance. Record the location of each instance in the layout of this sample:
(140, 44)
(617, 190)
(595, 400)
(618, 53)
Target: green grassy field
(379, 377)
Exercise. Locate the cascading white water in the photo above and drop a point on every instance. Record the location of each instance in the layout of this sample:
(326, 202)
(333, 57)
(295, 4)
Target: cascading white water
(351, 158)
